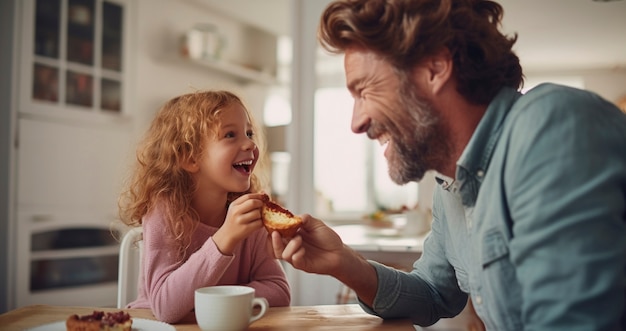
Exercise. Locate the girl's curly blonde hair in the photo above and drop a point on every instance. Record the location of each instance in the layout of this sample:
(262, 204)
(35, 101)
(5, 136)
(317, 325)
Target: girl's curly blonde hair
(177, 134)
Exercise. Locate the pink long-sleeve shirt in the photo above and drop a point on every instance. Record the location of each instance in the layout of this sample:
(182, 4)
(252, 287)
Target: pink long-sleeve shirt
(167, 283)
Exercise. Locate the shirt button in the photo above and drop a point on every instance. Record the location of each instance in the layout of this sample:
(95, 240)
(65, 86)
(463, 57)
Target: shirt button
(480, 173)
(478, 300)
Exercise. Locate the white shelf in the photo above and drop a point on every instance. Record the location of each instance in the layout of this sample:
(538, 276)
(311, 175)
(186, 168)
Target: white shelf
(240, 73)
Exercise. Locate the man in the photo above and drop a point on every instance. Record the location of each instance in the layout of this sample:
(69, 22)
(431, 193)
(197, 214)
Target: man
(530, 213)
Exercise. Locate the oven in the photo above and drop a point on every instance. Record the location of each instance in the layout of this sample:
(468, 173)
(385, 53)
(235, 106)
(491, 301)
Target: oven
(66, 259)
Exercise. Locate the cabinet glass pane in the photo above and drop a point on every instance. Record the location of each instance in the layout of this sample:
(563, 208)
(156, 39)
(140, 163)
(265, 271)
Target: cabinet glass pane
(80, 31)
(111, 36)
(47, 27)
(111, 95)
(79, 89)
(45, 82)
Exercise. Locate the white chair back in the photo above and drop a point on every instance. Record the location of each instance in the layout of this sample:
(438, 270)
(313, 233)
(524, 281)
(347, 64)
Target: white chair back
(129, 266)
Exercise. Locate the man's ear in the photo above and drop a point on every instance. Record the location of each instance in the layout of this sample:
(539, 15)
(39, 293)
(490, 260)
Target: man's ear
(440, 68)
(190, 164)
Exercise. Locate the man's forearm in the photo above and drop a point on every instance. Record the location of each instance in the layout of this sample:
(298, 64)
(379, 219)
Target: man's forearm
(359, 275)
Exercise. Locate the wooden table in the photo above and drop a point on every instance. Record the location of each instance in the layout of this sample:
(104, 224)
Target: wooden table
(321, 318)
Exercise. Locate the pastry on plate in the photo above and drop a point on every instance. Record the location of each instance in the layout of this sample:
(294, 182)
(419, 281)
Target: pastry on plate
(100, 321)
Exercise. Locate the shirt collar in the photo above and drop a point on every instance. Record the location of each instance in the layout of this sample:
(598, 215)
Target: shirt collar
(445, 181)
(474, 161)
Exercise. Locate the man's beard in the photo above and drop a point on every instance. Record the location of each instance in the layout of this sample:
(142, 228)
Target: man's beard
(419, 140)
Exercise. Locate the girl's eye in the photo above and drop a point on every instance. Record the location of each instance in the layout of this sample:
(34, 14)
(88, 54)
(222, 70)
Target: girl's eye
(250, 134)
(229, 134)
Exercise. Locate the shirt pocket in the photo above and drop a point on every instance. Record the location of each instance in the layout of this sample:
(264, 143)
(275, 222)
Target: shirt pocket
(494, 248)
(499, 283)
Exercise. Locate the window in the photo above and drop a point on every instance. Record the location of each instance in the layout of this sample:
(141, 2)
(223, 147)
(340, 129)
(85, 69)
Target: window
(350, 171)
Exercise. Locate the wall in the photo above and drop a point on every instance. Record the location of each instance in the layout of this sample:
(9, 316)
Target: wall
(610, 83)
(160, 75)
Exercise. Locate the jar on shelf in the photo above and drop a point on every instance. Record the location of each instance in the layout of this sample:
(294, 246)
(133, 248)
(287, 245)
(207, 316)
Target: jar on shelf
(203, 41)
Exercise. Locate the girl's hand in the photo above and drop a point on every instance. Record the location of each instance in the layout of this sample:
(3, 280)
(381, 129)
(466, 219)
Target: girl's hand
(242, 218)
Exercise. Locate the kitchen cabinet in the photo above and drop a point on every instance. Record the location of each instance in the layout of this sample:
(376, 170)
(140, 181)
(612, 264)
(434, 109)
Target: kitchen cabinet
(74, 132)
(73, 59)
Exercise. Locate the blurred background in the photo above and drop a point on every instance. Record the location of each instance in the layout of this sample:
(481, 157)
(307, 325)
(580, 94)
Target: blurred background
(81, 80)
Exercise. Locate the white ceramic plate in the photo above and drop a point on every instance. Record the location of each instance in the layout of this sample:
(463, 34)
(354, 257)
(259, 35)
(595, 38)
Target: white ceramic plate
(139, 324)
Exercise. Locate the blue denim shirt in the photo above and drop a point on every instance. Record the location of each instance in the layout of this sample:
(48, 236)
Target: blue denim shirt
(533, 226)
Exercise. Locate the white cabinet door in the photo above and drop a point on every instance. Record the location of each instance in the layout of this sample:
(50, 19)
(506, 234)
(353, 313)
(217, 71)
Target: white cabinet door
(69, 167)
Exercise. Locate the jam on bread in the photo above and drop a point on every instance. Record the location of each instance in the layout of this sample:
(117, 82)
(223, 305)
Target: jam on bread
(277, 218)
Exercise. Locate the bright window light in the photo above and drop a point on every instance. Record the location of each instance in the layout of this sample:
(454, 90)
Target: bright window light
(351, 174)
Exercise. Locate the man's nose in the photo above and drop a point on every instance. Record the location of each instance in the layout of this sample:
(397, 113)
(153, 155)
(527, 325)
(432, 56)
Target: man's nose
(360, 120)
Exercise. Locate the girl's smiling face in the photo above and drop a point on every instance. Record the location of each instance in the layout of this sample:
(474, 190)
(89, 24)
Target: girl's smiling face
(229, 154)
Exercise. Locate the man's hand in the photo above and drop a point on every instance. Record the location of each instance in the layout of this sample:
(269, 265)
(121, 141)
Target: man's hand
(318, 249)
(315, 249)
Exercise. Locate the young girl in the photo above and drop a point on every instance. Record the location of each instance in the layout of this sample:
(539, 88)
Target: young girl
(196, 195)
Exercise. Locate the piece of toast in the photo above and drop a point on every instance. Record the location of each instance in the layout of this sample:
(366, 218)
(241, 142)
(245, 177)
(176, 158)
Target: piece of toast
(277, 218)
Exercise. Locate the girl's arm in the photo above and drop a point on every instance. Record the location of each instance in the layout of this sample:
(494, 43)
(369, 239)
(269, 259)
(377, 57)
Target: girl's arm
(267, 275)
(169, 282)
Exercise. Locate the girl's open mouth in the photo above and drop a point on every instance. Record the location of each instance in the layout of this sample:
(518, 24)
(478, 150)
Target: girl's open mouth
(244, 167)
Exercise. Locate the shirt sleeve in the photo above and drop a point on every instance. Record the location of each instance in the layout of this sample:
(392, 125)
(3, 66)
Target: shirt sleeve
(169, 281)
(565, 185)
(266, 273)
(427, 293)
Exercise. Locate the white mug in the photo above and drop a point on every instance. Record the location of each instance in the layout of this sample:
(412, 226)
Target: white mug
(227, 307)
